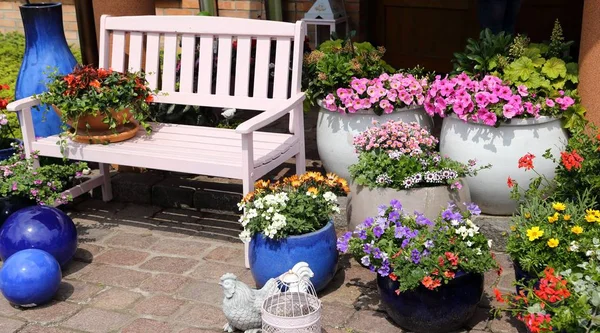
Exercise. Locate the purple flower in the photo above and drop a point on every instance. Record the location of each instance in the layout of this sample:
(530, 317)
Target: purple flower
(37, 182)
(377, 253)
(450, 215)
(428, 244)
(415, 256)
(342, 242)
(367, 248)
(405, 243)
(362, 234)
(394, 216)
(401, 231)
(396, 204)
(367, 223)
(473, 208)
(384, 270)
(378, 231)
(425, 253)
(422, 220)
(366, 261)
(381, 210)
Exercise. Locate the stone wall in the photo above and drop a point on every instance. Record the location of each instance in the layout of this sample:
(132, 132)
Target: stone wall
(10, 18)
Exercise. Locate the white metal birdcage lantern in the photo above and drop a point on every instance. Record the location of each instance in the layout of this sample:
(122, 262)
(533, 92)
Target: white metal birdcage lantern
(292, 306)
(328, 13)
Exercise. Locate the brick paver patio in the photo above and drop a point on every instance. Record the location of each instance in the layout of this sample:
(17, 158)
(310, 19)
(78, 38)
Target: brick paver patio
(143, 269)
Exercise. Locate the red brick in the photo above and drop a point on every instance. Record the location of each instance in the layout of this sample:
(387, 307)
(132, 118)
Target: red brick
(132, 240)
(115, 276)
(229, 255)
(164, 283)
(8, 5)
(169, 264)
(115, 299)
(158, 306)
(50, 313)
(180, 247)
(97, 321)
(122, 257)
(180, 11)
(143, 325)
(203, 316)
(190, 4)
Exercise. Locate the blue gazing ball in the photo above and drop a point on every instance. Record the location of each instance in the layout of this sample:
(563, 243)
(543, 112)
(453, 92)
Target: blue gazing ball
(39, 227)
(30, 278)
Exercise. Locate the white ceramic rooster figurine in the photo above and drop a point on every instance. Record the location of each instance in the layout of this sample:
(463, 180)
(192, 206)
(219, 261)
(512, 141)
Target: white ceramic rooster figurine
(242, 305)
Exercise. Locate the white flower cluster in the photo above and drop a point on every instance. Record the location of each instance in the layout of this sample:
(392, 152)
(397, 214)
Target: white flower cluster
(383, 179)
(429, 177)
(268, 208)
(469, 230)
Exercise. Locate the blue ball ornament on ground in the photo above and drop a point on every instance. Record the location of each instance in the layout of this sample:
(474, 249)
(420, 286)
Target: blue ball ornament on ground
(39, 227)
(30, 277)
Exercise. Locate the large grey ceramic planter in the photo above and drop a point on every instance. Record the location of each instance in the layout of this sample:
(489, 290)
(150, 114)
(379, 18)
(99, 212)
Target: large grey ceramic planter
(430, 201)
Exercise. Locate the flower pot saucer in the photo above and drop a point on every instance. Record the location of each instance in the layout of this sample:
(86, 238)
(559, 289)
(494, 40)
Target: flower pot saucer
(123, 132)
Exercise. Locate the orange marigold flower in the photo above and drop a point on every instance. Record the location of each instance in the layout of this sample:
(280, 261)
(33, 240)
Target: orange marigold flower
(95, 84)
(526, 161)
(571, 160)
(510, 182)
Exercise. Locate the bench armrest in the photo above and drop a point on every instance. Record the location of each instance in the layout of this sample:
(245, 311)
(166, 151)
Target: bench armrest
(23, 103)
(271, 115)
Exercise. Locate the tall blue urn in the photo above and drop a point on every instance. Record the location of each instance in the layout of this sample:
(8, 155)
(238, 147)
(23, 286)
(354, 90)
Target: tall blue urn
(46, 50)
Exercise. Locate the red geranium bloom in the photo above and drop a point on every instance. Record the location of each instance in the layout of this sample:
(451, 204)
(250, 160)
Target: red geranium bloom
(498, 295)
(449, 274)
(393, 277)
(571, 160)
(452, 258)
(526, 161)
(510, 182)
(430, 283)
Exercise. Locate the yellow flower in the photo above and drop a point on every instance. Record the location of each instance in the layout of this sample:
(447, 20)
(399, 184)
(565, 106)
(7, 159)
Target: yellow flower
(534, 233)
(559, 206)
(553, 242)
(313, 190)
(577, 230)
(513, 228)
(592, 215)
(553, 218)
(567, 217)
(262, 184)
(527, 215)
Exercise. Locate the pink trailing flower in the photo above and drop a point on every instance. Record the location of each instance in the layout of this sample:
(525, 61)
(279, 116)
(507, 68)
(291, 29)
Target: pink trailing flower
(383, 94)
(407, 138)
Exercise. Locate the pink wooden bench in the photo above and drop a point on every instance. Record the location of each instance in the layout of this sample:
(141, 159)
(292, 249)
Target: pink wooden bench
(244, 153)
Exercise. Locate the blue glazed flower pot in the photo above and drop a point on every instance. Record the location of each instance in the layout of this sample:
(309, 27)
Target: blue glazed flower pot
(6, 153)
(46, 49)
(432, 311)
(523, 276)
(270, 258)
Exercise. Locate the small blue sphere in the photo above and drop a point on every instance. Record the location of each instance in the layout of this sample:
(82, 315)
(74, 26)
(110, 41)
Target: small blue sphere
(39, 227)
(30, 278)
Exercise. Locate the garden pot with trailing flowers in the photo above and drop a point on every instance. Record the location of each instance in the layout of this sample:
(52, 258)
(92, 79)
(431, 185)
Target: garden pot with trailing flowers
(350, 111)
(432, 311)
(472, 127)
(399, 161)
(92, 128)
(272, 257)
(289, 222)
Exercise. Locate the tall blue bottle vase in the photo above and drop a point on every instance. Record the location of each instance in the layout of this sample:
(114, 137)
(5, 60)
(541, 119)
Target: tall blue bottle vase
(46, 50)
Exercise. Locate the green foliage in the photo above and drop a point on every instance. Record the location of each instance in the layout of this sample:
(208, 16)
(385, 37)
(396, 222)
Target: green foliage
(556, 220)
(98, 92)
(480, 57)
(336, 62)
(43, 185)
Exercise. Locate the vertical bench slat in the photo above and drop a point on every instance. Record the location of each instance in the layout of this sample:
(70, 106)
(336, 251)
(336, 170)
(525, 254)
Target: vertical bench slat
(261, 74)
(169, 62)
(188, 45)
(206, 65)
(224, 66)
(282, 65)
(242, 65)
(118, 51)
(103, 50)
(152, 59)
(136, 46)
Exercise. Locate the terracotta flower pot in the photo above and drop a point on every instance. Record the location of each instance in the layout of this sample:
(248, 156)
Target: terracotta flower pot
(92, 129)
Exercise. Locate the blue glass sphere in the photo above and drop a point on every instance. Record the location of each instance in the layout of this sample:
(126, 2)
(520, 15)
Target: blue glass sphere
(30, 277)
(39, 227)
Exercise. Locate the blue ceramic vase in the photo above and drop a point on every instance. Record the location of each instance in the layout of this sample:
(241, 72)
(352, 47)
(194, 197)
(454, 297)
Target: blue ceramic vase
(46, 50)
(269, 258)
(432, 311)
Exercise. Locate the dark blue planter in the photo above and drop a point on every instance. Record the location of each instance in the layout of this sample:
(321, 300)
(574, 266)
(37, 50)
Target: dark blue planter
(7, 153)
(46, 49)
(524, 277)
(9, 205)
(270, 258)
(432, 311)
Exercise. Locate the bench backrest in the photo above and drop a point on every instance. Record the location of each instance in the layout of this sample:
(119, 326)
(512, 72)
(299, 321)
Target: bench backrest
(257, 44)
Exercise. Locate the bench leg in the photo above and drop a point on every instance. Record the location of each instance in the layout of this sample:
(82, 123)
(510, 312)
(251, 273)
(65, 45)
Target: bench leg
(247, 254)
(301, 162)
(106, 185)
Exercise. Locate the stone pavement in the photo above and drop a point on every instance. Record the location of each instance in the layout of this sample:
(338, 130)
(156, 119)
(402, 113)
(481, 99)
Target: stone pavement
(143, 269)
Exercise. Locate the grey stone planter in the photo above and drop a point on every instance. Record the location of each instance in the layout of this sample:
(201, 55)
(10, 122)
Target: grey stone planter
(430, 201)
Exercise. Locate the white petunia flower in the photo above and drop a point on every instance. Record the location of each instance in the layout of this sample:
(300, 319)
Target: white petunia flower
(245, 236)
(330, 196)
(469, 243)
